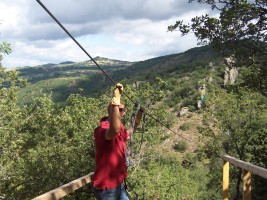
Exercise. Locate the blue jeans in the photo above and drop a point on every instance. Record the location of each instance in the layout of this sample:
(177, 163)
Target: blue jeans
(118, 193)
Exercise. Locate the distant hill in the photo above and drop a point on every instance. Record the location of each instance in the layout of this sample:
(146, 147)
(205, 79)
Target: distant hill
(69, 68)
(69, 77)
(66, 62)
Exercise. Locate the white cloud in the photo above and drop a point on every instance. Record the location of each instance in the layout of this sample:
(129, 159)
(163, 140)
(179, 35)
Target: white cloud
(119, 29)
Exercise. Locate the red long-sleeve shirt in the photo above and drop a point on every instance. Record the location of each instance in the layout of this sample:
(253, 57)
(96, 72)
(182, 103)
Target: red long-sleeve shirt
(110, 166)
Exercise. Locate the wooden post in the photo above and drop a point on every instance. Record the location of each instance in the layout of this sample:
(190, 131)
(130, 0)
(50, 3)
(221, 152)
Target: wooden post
(225, 180)
(246, 185)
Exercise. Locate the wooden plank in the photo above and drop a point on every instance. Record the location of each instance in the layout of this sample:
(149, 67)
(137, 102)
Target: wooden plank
(66, 189)
(260, 171)
(246, 185)
(225, 180)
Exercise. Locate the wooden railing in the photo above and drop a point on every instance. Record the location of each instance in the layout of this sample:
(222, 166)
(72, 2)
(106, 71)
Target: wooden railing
(66, 189)
(248, 169)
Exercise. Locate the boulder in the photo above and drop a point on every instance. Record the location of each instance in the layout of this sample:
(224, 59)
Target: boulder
(184, 111)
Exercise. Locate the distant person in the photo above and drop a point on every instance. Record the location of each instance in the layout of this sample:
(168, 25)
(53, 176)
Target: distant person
(110, 146)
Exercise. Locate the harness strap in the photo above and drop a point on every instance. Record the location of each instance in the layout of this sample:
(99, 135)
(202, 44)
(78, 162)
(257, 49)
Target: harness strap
(133, 119)
(125, 184)
(143, 130)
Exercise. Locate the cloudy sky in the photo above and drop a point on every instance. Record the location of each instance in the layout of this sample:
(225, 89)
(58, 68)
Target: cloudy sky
(118, 29)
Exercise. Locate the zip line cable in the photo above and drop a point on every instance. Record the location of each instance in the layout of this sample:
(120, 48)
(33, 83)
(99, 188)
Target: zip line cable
(157, 120)
(74, 40)
(67, 32)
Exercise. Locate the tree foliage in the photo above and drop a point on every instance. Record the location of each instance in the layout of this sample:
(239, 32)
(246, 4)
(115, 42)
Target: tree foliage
(10, 119)
(238, 112)
(161, 177)
(241, 23)
(239, 31)
(238, 117)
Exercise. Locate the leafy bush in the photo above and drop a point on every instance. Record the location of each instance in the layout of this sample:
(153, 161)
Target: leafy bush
(161, 177)
(181, 146)
(186, 126)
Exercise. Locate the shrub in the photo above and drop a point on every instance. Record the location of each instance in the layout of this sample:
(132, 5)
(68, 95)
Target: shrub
(186, 126)
(181, 146)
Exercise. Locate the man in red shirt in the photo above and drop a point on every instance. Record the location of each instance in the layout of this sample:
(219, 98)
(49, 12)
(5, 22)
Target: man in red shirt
(110, 145)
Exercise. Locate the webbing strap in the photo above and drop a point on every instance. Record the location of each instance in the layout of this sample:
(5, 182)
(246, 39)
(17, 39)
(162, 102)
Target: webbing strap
(143, 130)
(133, 119)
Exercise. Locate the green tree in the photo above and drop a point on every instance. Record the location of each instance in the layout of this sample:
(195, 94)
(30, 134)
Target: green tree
(161, 177)
(56, 146)
(10, 119)
(240, 117)
(239, 31)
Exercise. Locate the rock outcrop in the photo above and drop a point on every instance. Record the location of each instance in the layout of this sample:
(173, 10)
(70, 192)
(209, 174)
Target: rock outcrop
(231, 71)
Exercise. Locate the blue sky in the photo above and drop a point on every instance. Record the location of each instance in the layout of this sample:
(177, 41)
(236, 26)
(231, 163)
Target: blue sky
(117, 29)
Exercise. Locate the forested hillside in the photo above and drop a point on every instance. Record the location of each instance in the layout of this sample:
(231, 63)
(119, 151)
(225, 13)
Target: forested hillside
(61, 80)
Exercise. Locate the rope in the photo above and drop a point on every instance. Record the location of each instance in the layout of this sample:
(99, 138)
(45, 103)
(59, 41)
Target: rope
(67, 32)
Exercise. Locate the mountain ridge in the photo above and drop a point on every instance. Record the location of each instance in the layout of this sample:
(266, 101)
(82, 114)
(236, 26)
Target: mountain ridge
(60, 78)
